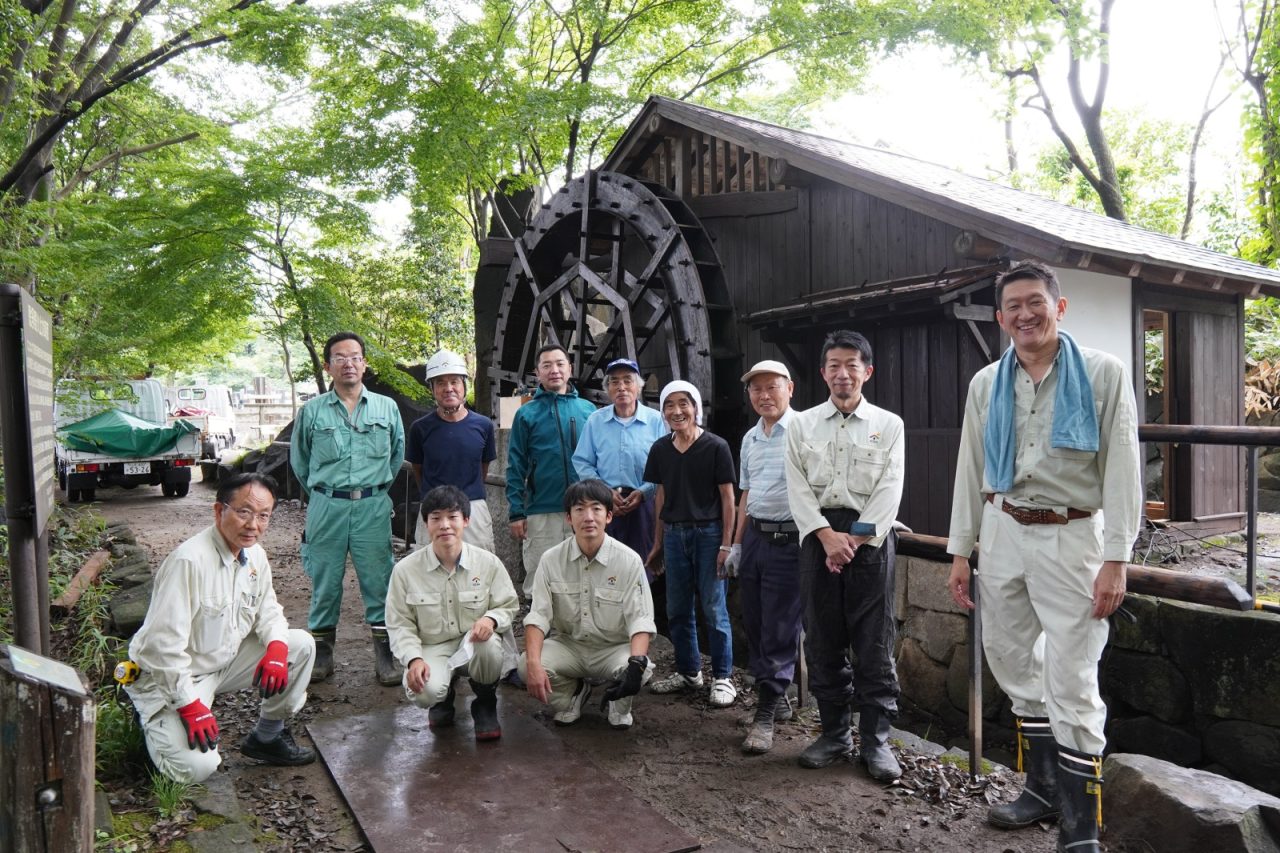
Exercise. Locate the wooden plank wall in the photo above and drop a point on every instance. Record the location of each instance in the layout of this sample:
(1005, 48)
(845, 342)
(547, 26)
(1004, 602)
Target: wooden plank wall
(1216, 370)
(838, 237)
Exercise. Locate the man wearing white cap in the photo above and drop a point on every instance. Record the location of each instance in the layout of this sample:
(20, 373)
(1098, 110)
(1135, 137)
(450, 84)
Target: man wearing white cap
(614, 447)
(693, 470)
(453, 446)
(765, 551)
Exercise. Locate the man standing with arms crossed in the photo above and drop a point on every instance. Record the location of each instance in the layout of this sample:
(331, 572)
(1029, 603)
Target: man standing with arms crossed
(453, 446)
(1048, 485)
(844, 483)
(544, 434)
(766, 550)
(614, 446)
(346, 450)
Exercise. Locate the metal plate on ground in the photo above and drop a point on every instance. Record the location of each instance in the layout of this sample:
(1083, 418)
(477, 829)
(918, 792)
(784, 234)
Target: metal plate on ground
(414, 789)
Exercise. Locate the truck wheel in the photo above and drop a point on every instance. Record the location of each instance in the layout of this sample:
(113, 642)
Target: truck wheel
(73, 496)
(167, 489)
(180, 489)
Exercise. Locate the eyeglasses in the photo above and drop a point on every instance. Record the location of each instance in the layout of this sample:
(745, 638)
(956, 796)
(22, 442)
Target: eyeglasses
(343, 360)
(246, 515)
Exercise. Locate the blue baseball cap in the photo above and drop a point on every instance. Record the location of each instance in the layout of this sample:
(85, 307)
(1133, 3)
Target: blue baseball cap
(622, 362)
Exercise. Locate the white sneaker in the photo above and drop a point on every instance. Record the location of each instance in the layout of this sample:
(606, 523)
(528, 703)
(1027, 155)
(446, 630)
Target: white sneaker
(722, 693)
(570, 715)
(620, 713)
(676, 682)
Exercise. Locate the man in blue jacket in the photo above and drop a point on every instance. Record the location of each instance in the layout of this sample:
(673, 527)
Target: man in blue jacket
(540, 468)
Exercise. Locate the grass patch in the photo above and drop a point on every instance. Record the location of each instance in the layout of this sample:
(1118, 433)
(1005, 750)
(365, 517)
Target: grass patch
(121, 748)
(171, 797)
(962, 762)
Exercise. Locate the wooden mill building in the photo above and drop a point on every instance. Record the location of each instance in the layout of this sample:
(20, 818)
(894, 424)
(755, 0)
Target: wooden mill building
(812, 234)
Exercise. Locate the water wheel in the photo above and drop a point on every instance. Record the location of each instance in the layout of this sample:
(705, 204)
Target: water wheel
(615, 267)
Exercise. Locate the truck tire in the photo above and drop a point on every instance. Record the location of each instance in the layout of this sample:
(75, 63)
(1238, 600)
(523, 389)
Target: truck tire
(180, 489)
(73, 496)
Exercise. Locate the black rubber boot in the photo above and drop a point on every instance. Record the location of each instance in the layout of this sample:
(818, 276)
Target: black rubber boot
(323, 666)
(1038, 758)
(1080, 796)
(441, 714)
(873, 729)
(760, 736)
(384, 664)
(836, 740)
(484, 711)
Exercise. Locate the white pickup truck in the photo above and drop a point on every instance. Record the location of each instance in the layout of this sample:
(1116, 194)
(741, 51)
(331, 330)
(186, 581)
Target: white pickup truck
(208, 407)
(88, 457)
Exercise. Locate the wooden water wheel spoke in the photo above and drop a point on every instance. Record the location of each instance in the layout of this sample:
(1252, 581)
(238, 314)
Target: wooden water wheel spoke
(613, 267)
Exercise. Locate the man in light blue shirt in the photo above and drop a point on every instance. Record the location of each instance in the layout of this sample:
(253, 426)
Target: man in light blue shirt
(614, 446)
(766, 550)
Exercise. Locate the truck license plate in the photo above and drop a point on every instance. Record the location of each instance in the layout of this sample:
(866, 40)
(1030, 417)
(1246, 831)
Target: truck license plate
(137, 468)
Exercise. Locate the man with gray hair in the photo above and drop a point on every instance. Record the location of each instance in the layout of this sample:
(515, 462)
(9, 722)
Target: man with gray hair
(766, 548)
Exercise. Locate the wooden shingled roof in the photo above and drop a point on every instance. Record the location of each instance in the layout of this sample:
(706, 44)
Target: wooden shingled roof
(1003, 216)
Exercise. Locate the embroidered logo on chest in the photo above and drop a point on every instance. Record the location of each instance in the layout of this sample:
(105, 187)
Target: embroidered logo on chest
(475, 582)
(613, 581)
(874, 438)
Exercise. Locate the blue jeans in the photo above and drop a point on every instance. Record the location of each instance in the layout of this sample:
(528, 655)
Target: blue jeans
(690, 556)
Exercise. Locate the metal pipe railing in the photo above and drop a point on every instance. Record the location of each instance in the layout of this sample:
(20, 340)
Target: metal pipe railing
(1247, 437)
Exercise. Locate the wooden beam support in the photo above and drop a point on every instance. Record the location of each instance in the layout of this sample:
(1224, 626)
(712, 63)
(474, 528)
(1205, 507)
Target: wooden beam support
(680, 158)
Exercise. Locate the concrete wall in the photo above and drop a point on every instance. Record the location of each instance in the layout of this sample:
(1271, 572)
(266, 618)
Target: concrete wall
(1099, 312)
(1193, 685)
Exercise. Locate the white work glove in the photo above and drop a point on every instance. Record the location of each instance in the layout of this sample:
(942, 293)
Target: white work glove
(732, 562)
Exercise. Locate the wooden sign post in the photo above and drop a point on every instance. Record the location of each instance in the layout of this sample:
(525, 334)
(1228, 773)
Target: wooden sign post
(46, 756)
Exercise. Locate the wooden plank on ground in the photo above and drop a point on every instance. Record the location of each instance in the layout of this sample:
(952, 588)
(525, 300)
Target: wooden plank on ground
(411, 788)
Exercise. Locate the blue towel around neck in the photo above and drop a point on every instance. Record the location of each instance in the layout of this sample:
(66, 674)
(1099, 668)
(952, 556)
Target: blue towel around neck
(1075, 423)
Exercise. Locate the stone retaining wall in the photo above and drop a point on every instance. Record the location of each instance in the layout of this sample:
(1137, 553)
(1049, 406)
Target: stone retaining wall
(1194, 685)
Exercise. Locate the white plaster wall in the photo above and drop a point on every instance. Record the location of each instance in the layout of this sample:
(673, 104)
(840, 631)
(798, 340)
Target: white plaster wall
(1099, 311)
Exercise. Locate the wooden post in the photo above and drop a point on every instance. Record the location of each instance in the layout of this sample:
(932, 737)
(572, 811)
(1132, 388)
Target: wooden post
(46, 739)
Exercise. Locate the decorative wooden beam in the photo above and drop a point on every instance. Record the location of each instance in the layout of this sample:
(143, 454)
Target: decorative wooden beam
(1216, 283)
(1135, 269)
(1084, 260)
(713, 151)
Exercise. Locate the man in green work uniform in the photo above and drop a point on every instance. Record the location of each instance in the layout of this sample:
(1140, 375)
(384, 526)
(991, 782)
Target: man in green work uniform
(347, 447)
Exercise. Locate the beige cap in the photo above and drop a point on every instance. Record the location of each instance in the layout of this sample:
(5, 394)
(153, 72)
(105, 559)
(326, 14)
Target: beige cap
(767, 366)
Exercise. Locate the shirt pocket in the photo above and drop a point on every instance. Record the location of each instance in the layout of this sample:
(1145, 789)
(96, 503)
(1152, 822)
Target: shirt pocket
(474, 603)
(565, 600)
(608, 616)
(210, 626)
(866, 468)
(1083, 457)
(428, 609)
(326, 444)
(375, 439)
(815, 458)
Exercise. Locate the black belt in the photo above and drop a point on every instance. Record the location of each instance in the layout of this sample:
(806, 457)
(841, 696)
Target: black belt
(683, 524)
(349, 495)
(778, 531)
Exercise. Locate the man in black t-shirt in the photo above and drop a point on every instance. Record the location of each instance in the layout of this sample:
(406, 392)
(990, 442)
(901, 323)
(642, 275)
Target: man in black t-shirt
(693, 470)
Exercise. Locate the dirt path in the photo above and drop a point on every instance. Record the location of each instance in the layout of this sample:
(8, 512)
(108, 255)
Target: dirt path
(681, 757)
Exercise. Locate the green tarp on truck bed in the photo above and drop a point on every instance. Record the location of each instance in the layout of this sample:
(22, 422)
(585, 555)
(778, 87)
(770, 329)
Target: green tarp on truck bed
(116, 433)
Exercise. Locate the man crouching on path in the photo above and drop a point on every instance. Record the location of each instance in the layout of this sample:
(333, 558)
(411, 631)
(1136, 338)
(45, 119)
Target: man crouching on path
(591, 597)
(440, 597)
(214, 626)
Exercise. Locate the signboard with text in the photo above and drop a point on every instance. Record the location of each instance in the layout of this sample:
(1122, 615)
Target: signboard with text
(33, 402)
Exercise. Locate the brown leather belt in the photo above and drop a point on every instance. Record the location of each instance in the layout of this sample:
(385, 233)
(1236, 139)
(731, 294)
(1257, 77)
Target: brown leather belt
(1027, 515)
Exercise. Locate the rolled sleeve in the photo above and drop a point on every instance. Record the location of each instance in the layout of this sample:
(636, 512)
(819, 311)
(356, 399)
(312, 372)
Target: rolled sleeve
(540, 610)
(503, 603)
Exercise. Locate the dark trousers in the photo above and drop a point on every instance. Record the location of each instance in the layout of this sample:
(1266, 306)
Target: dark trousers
(635, 529)
(769, 586)
(853, 607)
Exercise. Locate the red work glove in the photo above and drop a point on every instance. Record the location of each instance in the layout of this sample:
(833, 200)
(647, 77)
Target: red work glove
(202, 728)
(272, 673)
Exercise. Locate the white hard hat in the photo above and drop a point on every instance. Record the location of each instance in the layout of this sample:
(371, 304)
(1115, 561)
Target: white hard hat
(446, 363)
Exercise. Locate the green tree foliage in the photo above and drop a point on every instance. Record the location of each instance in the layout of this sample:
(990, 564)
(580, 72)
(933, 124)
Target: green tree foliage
(444, 100)
(1149, 159)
